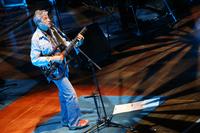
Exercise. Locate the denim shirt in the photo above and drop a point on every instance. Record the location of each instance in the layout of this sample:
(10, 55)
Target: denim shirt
(42, 48)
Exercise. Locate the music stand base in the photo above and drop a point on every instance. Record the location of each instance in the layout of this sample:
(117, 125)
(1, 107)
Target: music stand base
(106, 122)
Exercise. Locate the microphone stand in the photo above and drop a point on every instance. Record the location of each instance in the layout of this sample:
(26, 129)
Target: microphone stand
(170, 10)
(54, 6)
(105, 121)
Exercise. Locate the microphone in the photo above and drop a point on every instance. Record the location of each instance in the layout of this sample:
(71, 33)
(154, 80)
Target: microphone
(52, 24)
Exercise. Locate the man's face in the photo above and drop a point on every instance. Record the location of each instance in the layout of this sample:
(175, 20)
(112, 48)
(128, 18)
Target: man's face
(45, 23)
(46, 20)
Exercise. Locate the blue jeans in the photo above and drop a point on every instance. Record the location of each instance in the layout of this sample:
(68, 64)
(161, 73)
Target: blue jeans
(70, 110)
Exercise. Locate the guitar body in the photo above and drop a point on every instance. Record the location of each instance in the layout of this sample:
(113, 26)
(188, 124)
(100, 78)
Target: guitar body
(55, 70)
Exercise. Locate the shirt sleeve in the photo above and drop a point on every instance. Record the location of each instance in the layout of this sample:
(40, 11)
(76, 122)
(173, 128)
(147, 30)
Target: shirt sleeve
(36, 56)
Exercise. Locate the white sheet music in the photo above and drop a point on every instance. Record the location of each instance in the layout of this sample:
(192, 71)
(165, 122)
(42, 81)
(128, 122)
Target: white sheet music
(149, 103)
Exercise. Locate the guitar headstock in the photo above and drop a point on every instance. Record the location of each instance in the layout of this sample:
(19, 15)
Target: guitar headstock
(83, 30)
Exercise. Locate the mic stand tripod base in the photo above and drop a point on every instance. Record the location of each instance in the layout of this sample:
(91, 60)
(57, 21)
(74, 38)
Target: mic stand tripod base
(106, 122)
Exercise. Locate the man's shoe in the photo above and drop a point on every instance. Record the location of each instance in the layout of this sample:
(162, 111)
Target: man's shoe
(81, 124)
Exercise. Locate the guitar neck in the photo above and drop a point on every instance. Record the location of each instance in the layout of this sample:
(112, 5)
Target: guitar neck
(73, 43)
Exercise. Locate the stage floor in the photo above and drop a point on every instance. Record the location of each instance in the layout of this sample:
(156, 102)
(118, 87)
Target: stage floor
(160, 63)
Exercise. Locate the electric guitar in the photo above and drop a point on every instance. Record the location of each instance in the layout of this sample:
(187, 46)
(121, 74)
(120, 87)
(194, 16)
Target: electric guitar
(49, 70)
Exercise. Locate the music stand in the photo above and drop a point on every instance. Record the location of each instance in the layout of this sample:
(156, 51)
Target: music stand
(105, 120)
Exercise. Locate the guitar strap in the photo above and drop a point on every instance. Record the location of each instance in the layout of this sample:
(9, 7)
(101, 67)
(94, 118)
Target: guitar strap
(57, 36)
(54, 38)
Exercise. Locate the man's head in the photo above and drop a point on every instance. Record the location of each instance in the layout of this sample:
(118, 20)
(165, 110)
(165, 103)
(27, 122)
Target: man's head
(42, 20)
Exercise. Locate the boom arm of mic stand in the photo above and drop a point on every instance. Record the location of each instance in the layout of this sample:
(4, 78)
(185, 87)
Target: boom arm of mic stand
(90, 60)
